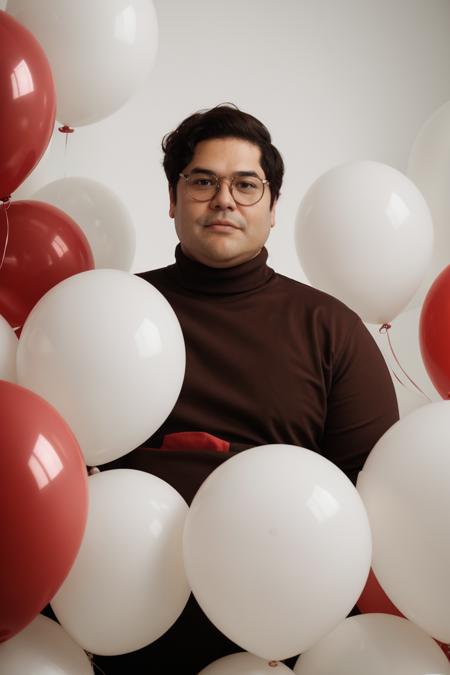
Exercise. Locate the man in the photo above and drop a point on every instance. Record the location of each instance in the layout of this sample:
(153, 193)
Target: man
(269, 360)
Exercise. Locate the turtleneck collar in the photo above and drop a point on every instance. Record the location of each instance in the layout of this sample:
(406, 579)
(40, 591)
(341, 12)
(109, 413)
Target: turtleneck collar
(200, 278)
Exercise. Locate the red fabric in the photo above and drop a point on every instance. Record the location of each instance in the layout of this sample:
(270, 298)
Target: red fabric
(194, 440)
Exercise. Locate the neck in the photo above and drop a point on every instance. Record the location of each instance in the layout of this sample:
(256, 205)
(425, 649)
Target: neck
(207, 280)
(218, 264)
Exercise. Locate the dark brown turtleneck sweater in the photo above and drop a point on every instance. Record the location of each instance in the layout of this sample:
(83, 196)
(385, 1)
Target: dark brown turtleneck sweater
(269, 360)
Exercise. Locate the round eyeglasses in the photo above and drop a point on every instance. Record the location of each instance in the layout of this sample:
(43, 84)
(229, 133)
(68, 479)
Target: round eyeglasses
(246, 190)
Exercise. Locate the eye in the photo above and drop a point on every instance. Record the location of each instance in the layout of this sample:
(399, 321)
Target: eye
(246, 185)
(202, 182)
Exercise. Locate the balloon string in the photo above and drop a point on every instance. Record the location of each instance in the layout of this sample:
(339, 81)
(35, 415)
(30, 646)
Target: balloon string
(65, 129)
(93, 664)
(66, 155)
(397, 377)
(385, 328)
(5, 206)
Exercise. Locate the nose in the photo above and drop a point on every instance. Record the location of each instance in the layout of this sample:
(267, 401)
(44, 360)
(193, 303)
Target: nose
(223, 199)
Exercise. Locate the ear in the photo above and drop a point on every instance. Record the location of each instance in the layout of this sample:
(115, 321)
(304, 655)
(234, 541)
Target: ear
(171, 203)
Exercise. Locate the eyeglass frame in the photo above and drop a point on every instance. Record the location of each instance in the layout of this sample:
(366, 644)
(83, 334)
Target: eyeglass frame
(219, 180)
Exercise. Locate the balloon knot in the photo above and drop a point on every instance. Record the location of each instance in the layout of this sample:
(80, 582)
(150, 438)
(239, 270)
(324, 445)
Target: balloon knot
(385, 327)
(273, 664)
(6, 201)
(65, 129)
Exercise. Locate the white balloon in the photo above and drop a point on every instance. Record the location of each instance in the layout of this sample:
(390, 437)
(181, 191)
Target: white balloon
(404, 338)
(364, 234)
(127, 585)
(43, 648)
(100, 52)
(277, 548)
(244, 663)
(429, 168)
(101, 215)
(105, 348)
(405, 485)
(374, 644)
(8, 350)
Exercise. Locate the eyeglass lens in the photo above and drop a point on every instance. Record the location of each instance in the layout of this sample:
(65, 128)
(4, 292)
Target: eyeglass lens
(246, 190)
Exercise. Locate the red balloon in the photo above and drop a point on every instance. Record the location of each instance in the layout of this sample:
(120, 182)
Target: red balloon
(45, 246)
(374, 599)
(43, 504)
(27, 103)
(434, 331)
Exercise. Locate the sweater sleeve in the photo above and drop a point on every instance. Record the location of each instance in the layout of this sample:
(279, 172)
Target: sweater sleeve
(361, 405)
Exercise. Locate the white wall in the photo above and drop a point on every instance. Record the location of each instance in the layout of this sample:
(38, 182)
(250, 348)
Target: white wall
(332, 79)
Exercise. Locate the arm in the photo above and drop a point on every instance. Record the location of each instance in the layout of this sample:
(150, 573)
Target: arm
(362, 403)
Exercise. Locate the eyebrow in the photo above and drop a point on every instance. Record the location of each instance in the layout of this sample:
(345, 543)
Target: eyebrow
(199, 169)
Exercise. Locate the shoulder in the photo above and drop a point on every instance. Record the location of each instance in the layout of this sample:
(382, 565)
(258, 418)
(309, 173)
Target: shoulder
(332, 328)
(160, 278)
(317, 303)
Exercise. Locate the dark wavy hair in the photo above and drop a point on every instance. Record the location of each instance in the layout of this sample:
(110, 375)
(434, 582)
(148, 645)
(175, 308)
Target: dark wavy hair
(222, 121)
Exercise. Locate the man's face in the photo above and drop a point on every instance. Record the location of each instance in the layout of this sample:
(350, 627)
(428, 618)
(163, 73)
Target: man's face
(219, 232)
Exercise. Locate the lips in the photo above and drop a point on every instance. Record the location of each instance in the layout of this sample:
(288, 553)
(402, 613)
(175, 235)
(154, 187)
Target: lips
(224, 224)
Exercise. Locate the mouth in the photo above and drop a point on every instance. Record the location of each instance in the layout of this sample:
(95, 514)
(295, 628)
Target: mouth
(222, 225)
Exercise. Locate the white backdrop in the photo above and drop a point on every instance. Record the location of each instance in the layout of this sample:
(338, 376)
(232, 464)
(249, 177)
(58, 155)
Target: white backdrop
(334, 80)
